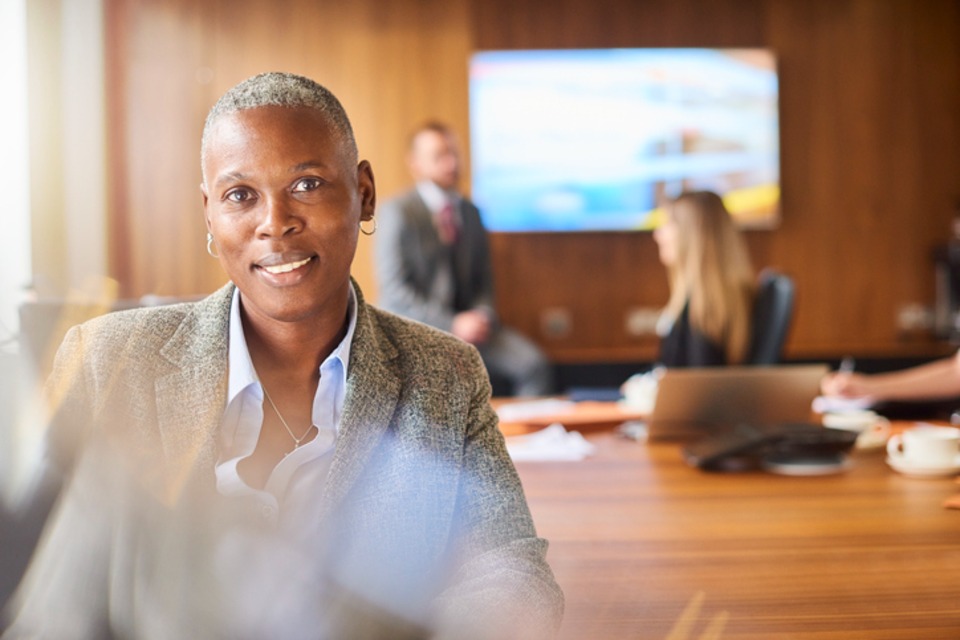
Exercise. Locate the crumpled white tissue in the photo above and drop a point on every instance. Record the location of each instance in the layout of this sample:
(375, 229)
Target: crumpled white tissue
(551, 443)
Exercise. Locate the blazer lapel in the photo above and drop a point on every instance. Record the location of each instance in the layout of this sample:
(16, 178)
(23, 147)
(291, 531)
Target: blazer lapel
(373, 389)
(435, 256)
(464, 253)
(191, 398)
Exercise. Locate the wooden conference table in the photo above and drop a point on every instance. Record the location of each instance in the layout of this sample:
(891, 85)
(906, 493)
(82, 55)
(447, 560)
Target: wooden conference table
(636, 534)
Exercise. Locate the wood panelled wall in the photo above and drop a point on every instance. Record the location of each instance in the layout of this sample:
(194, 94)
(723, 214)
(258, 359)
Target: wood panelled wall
(870, 139)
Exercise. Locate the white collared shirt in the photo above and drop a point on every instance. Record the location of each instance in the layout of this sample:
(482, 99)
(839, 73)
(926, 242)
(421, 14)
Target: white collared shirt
(436, 199)
(289, 497)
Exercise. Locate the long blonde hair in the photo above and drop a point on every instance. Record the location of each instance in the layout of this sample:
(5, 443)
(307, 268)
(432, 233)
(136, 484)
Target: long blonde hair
(712, 272)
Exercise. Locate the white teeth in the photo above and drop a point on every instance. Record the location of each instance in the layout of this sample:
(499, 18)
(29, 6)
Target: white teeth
(285, 268)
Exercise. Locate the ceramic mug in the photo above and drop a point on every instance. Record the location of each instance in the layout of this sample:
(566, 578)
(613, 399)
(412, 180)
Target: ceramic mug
(926, 446)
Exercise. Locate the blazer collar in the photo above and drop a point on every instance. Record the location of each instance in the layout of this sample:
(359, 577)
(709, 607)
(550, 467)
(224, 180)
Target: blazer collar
(373, 390)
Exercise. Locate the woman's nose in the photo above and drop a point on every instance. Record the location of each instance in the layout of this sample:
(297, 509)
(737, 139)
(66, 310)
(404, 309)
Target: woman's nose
(279, 219)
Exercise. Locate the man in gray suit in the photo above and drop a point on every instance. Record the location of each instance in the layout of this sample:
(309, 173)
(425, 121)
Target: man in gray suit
(281, 460)
(433, 264)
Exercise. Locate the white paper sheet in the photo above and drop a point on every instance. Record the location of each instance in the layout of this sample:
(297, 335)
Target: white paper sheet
(551, 443)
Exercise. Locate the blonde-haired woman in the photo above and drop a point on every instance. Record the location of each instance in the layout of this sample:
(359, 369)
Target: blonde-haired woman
(707, 319)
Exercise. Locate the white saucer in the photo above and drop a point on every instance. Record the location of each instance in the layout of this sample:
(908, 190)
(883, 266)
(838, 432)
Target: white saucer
(917, 471)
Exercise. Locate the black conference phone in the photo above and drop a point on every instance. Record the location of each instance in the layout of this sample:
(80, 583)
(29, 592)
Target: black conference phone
(746, 446)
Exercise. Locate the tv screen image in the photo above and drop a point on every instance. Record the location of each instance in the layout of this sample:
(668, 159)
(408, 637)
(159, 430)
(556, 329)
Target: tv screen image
(595, 139)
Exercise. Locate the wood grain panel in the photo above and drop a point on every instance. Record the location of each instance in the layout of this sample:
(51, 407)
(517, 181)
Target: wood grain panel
(157, 99)
(870, 138)
(391, 65)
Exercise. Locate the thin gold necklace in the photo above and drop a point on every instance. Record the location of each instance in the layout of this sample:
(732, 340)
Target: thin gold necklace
(296, 440)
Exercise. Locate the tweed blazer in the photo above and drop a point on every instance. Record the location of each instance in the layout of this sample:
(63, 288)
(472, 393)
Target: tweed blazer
(414, 269)
(429, 534)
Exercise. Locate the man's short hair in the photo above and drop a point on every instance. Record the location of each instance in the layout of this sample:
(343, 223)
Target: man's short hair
(435, 126)
(282, 90)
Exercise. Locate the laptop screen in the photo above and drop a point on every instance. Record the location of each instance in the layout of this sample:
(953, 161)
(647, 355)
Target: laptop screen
(691, 401)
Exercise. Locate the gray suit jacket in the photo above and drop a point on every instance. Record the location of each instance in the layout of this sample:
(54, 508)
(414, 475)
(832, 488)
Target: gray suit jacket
(413, 267)
(429, 529)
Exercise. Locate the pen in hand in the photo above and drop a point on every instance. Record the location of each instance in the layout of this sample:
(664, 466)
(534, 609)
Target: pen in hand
(839, 382)
(847, 365)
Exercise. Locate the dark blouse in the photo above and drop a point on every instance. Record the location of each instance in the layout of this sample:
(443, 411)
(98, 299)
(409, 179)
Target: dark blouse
(686, 347)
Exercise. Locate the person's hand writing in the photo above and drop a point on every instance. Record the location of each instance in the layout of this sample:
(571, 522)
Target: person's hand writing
(846, 384)
(471, 326)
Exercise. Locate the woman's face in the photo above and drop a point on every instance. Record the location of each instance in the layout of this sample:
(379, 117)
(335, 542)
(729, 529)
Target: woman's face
(666, 238)
(283, 203)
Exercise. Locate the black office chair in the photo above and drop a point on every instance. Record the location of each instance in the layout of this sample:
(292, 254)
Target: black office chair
(772, 312)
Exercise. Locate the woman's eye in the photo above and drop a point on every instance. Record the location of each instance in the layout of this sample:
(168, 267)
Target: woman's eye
(306, 184)
(238, 196)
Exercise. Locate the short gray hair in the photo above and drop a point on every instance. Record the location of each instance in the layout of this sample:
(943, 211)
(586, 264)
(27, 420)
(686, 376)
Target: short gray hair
(281, 90)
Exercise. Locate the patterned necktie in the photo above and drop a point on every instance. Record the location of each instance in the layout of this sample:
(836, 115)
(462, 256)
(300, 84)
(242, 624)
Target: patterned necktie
(447, 225)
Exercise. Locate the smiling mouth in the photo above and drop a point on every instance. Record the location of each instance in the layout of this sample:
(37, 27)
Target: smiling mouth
(285, 268)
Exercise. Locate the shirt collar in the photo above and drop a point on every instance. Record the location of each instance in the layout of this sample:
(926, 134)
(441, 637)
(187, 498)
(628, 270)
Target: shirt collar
(241, 373)
(435, 197)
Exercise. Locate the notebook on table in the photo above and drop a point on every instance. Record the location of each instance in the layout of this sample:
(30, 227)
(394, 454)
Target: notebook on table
(697, 401)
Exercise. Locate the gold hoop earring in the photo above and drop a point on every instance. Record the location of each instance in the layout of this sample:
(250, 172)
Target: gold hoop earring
(210, 246)
(371, 231)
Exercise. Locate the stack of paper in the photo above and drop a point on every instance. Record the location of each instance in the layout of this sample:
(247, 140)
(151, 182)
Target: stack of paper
(837, 404)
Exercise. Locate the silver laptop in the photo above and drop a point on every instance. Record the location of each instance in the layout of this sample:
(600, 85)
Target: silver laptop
(695, 401)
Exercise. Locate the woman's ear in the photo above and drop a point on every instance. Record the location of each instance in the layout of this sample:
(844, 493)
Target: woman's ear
(206, 215)
(367, 189)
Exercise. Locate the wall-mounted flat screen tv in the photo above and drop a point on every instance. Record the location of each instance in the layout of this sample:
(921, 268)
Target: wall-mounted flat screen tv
(595, 139)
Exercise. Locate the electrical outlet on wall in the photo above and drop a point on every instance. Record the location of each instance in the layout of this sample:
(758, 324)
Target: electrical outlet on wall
(641, 321)
(556, 322)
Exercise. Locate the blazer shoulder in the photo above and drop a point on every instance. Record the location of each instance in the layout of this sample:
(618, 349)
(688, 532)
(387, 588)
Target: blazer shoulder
(469, 204)
(140, 323)
(147, 329)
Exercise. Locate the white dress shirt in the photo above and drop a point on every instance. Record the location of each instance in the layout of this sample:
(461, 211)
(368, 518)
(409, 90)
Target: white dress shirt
(436, 199)
(289, 497)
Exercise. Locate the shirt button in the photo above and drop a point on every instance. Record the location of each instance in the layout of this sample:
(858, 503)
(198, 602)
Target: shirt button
(267, 511)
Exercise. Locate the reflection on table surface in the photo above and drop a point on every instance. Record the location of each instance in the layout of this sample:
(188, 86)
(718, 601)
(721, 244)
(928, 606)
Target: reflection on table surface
(636, 534)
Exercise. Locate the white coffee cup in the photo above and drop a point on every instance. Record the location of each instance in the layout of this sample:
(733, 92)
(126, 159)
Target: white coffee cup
(926, 446)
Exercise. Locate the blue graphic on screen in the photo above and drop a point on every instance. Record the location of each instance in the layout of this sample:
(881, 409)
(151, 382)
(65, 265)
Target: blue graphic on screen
(590, 140)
